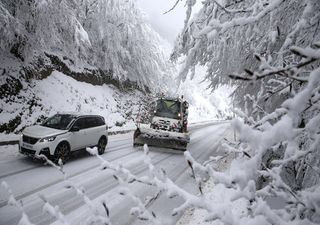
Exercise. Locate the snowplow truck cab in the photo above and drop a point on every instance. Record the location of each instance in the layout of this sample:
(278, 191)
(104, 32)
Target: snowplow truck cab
(168, 125)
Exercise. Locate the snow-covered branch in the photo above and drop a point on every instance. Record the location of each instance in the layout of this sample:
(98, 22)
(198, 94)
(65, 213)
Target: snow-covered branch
(96, 217)
(24, 220)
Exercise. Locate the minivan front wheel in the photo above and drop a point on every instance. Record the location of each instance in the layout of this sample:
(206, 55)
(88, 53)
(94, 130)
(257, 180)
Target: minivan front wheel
(102, 145)
(62, 152)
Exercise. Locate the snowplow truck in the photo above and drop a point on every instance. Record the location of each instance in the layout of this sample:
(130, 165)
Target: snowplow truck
(168, 126)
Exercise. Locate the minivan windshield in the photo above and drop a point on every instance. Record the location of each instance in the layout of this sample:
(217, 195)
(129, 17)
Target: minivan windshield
(168, 108)
(59, 121)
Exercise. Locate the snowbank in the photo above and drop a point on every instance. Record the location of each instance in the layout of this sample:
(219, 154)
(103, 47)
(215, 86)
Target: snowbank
(61, 93)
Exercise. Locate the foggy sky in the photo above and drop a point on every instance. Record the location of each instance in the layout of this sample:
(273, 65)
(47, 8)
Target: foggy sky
(167, 25)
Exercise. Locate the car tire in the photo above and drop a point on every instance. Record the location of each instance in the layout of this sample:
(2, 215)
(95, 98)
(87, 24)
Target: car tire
(102, 145)
(62, 152)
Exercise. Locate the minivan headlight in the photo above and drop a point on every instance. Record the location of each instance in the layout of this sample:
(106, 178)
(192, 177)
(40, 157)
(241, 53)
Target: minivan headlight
(48, 139)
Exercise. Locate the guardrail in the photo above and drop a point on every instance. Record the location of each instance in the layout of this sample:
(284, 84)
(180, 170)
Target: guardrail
(16, 141)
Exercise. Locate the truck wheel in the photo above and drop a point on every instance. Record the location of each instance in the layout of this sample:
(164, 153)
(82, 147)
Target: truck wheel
(62, 152)
(102, 145)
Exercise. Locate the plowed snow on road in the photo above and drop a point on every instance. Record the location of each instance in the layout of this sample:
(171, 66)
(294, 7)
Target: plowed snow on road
(28, 179)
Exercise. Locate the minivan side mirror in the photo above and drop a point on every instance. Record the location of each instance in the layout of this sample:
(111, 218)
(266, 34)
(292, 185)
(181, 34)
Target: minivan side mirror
(74, 129)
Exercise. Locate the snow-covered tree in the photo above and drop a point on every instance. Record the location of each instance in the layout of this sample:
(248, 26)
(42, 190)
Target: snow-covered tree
(270, 50)
(226, 36)
(95, 41)
(107, 39)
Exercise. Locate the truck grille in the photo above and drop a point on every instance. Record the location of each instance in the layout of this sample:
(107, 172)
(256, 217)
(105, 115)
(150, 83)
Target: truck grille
(164, 124)
(29, 140)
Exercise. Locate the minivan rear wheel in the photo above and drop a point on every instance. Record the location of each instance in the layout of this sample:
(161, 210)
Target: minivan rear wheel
(102, 145)
(62, 152)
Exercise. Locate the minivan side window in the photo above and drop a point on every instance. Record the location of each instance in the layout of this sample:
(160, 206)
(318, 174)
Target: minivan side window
(100, 121)
(94, 121)
(91, 122)
(81, 123)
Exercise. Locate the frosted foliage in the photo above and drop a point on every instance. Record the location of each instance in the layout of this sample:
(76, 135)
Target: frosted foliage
(270, 49)
(111, 36)
(225, 36)
(129, 46)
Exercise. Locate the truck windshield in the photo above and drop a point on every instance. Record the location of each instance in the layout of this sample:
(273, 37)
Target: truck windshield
(168, 109)
(59, 121)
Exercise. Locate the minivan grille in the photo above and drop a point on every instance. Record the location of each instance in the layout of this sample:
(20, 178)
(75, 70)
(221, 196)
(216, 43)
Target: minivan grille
(29, 140)
(27, 151)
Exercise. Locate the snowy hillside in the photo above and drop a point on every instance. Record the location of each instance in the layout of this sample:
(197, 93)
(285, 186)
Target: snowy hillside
(60, 93)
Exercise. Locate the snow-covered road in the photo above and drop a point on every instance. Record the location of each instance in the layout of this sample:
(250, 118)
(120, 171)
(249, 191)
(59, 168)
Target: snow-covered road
(29, 179)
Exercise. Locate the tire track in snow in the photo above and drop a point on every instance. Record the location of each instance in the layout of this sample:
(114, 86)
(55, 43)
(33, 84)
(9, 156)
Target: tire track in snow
(19, 197)
(112, 149)
(69, 201)
(19, 171)
(96, 189)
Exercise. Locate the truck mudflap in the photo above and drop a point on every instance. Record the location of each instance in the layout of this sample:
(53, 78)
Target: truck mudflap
(159, 138)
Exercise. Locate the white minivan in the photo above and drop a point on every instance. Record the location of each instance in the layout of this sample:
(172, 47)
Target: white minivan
(62, 134)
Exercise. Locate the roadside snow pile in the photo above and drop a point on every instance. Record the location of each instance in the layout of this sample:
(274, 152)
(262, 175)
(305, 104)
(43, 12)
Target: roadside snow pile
(8, 152)
(61, 93)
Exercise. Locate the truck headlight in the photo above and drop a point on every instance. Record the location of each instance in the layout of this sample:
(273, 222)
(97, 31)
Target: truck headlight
(48, 139)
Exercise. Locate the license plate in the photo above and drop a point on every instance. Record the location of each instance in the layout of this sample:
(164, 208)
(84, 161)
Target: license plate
(27, 146)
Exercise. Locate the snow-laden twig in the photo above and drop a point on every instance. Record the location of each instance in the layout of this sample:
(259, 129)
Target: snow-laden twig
(164, 184)
(279, 138)
(95, 215)
(191, 200)
(173, 7)
(284, 72)
(140, 210)
(53, 211)
(194, 175)
(119, 168)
